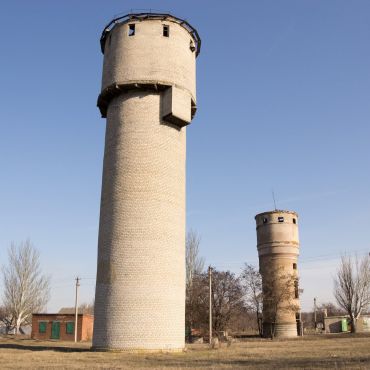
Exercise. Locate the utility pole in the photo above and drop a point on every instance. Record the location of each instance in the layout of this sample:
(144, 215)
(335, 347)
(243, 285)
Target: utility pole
(210, 304)
(314, 305)
(76, 307)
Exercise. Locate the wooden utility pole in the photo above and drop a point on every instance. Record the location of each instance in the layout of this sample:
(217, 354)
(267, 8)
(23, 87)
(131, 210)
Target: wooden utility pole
(210, 304)
(314, 305)
(76, 307)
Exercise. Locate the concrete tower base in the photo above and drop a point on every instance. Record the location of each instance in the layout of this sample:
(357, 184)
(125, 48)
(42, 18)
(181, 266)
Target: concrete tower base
(282, 330)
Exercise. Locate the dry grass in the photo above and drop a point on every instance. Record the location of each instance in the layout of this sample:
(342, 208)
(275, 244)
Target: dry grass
(314, 352)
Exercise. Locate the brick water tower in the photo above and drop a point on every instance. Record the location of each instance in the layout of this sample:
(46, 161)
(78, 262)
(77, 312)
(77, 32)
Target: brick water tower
(148, 98)
(278, 250)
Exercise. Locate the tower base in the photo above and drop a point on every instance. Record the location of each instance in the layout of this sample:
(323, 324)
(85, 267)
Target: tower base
(280, 330)
(138, 350)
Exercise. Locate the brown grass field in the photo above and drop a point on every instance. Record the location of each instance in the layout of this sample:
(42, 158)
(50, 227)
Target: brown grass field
(344, 351)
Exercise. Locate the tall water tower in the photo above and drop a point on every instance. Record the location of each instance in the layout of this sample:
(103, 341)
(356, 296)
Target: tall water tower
(278, 250)
(148, 97)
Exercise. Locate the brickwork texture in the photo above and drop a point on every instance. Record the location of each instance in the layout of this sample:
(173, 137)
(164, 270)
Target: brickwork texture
(278, 250)
(140, 288)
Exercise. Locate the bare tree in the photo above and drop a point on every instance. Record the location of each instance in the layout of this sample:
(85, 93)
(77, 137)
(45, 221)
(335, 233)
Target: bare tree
(323, 310)
(7, 319)
(26, 289)
(243, 321)
(280, 290)
(330, 309)
(194, 263)
(227, 298)
(228, 303)
(196, 304)
(194, 310)
(252, 281)
(352, 287)
(87, 308)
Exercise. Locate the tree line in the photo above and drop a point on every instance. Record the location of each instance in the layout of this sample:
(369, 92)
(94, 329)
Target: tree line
(237, 300)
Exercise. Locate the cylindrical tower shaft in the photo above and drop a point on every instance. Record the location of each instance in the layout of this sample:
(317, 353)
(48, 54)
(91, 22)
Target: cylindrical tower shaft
(140, 289)
(278, 250)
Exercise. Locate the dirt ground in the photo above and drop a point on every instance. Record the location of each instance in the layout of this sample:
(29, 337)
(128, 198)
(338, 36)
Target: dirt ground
(344, 351)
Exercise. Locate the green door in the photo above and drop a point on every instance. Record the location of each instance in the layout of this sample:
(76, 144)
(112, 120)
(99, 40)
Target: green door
(55, 330)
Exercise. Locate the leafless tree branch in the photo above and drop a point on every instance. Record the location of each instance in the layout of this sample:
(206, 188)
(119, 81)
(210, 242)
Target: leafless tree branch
(352, 286)
(194, 263)
(252, 281)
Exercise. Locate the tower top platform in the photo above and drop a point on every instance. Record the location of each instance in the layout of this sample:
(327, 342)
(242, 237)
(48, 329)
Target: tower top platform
(275, 211)
(139, 17)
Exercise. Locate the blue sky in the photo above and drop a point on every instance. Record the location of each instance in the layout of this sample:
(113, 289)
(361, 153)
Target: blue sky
(283, 92)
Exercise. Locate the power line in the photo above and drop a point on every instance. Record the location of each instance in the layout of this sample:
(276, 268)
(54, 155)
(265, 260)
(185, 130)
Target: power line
(323, 257)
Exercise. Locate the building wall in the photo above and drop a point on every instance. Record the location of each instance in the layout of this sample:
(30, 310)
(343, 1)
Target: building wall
(87, 327)
(278, 249)
(84, 326)
(140, 289)
(333, 324)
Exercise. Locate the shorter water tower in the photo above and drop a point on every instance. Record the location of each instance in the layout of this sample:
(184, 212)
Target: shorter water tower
(278, 250)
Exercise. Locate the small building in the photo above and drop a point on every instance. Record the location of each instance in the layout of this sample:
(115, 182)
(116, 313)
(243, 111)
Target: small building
(60, 326)
(341, 324)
